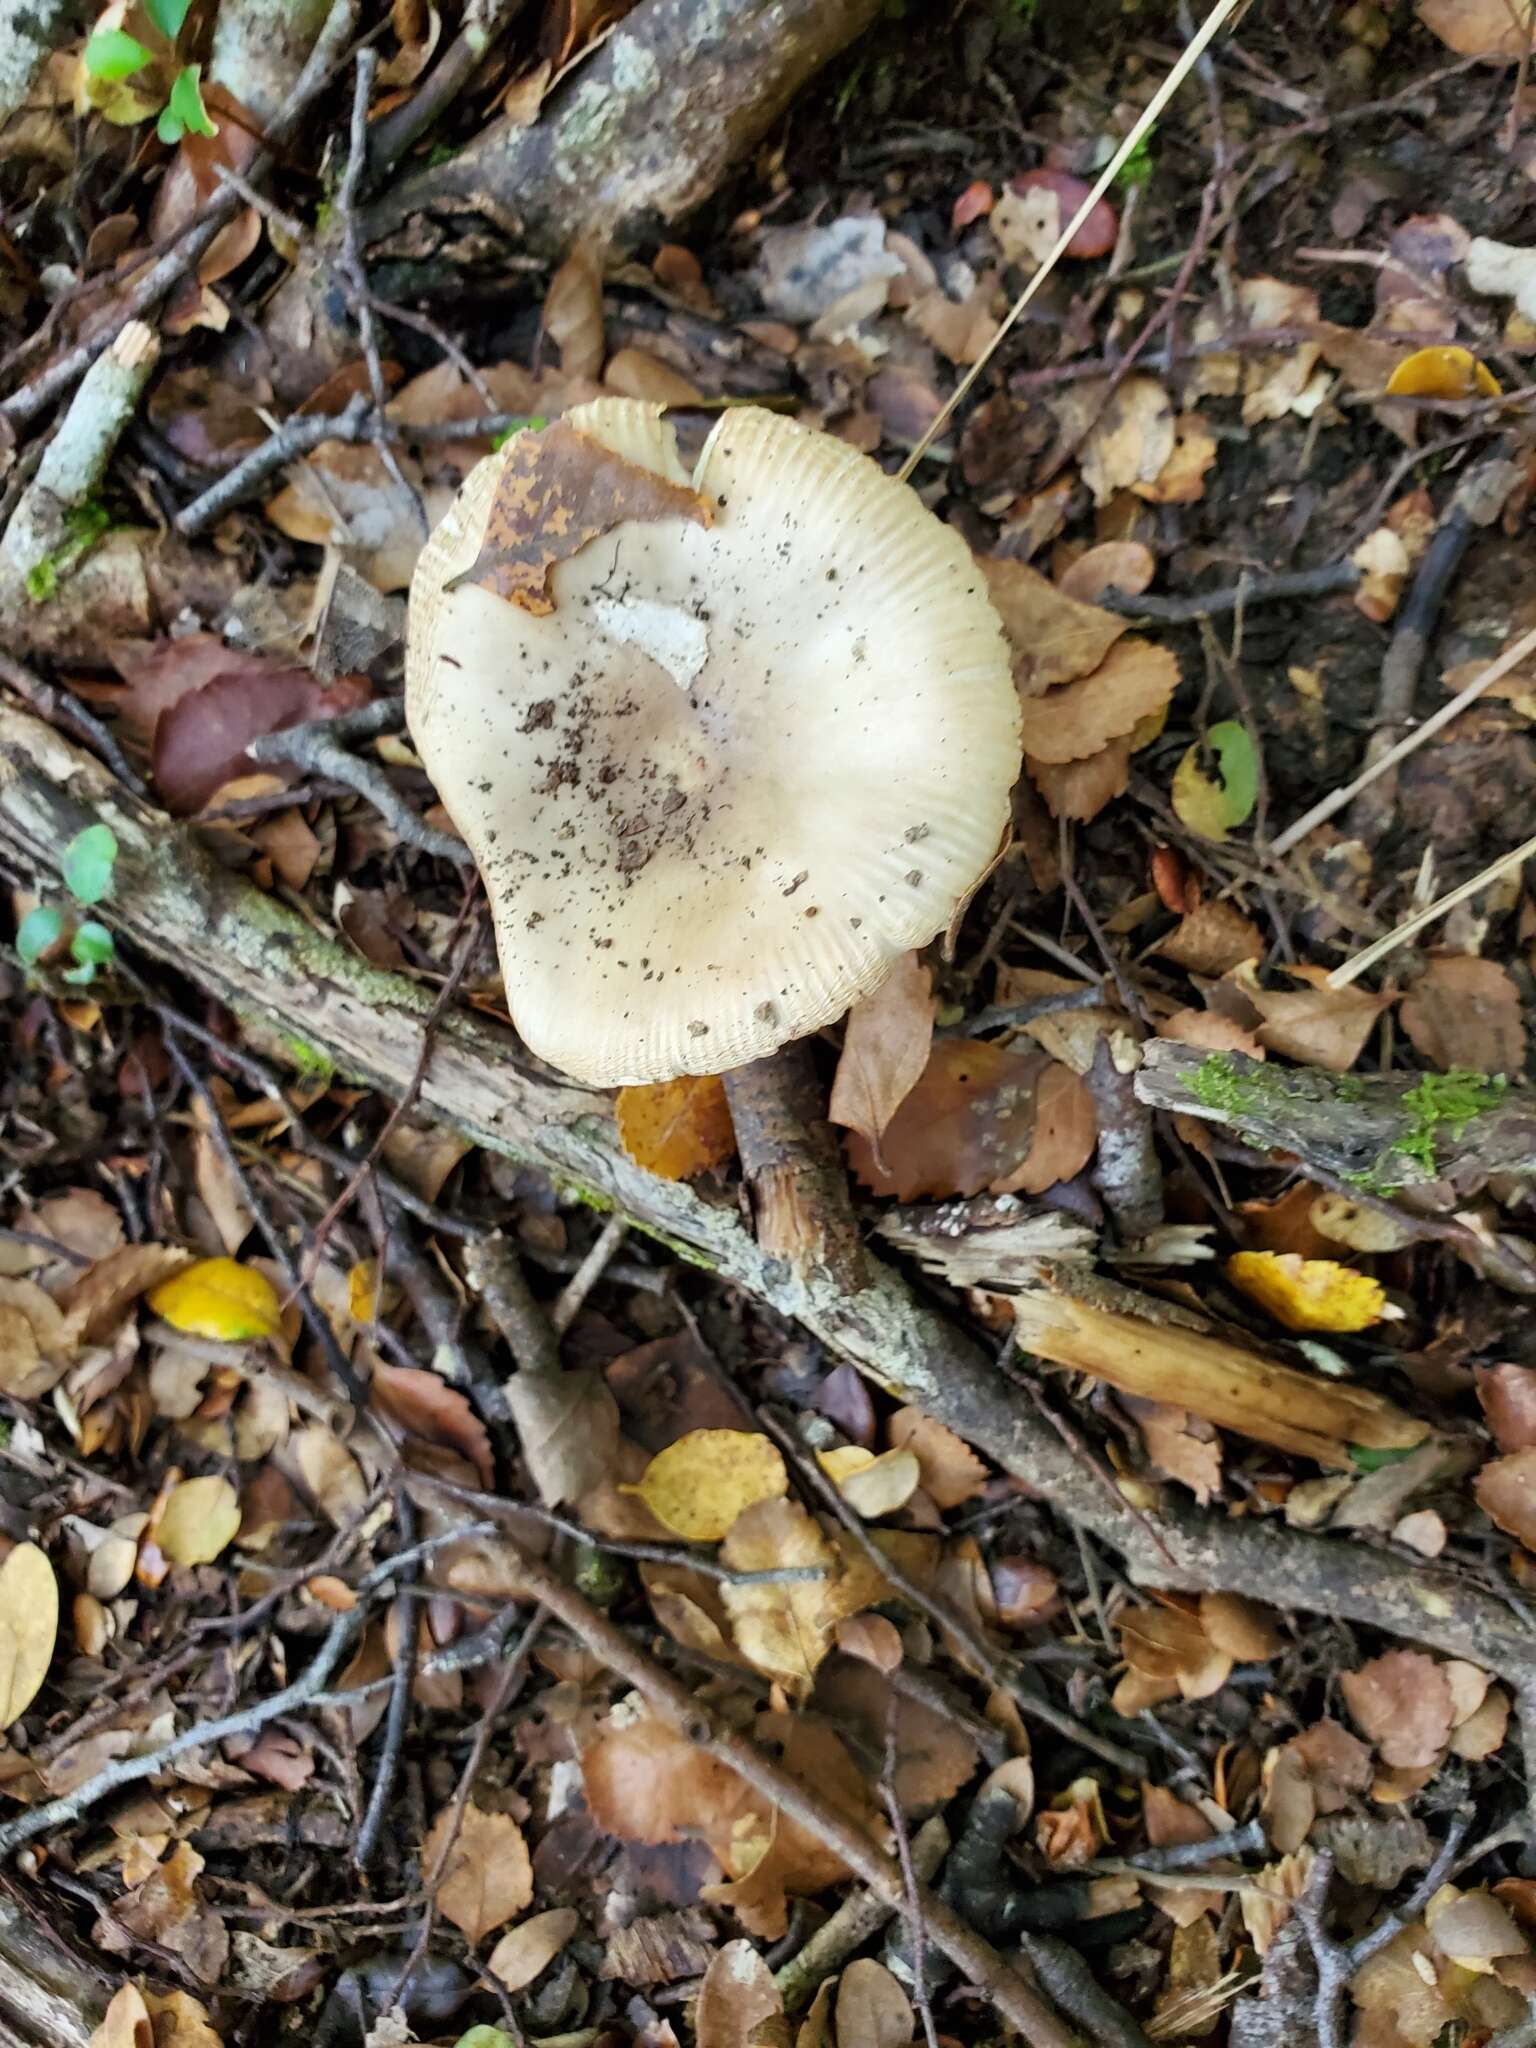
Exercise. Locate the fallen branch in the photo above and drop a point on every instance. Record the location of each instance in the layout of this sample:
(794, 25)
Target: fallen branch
(296, 436)
(1217, 604)
(29, 29)
(857, 1920)
(1355, 1126)
(318, 748)
(306, 998)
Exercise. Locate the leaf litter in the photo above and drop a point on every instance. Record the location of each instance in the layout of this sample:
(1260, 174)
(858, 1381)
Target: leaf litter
(1262, 1335)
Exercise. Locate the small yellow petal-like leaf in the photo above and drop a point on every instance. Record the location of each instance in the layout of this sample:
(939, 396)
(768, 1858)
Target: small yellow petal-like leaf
(29, 1626)
(699, 1485)
(1442, 372)
(880, 1485)
(199, 1521)
(219, 1298)
(1308, 1294)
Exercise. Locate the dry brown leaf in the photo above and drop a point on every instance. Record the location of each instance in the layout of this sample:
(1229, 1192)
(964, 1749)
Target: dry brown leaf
(1267, 1903)
(1080, 789)
(330, 1472)
(1465, 1012)
(934, 1755)
(98, 1300)
(425, 1406)
(1508, 1396)
(677, 1129)
(1316, 1772)
(36, 1342)
(1212, 1032)
(479, 1875)
(872, 1639)
(167, 1908)
(886, 1043)
(1506, 1493)
(964, 329)
(1054, 638)
(1180, 1445)
(1124, 565)
(1240, 1627)
(1482, 1733)
(967, 1124)
(634, 373)
(951, 1471)
(1181, 480)
(1072, 1829)
(646, 1782)
(1383, 562)
(423, 1155)
(1168, 1645)
(739, 2004)
(573, 310)
(1402, 1701)
(1131, 442)
(783, 1629)
(1024, 1593)
(198, 1522)
(872, 1486)
(126, 2022)
(568, 1429)
(29, 1628)
(1134, 681)
(1066, 1134)
(559, 490)
(872, 2009)
(1322, 1027)
(1212, 939)
(526, 1951)
(1498, 31)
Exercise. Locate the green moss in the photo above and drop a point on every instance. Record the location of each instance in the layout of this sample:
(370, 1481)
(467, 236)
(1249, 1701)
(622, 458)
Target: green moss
(1447, 1102)
(304, 1057)
(84, 525)
(1371, 1180)
(1218, 1085)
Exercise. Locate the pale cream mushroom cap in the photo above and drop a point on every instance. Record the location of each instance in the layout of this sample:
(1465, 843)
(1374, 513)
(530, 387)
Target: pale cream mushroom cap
(738, 770)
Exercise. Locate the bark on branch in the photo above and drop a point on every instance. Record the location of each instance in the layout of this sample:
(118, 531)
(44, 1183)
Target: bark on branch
(1379, 1130)
(297, 993)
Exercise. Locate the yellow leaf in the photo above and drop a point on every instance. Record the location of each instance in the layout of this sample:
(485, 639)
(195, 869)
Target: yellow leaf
(699, 1485)
(362, 1290)
(199, 1521)
(677, 1128)
(29, 1625)
(871, 1486)
(1442, 372)
(218, 1298)
(126, 2022)
(1200, 803)
(1308, 1294)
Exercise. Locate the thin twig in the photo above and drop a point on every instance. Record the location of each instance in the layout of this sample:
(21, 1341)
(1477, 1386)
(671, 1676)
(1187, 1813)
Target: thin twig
(296, 436)
(569, 1301)
(316, 746)
(133, 1770)
(62, 708)
(1410, 928)
(1213, 604)
(912, 1915)
(402, 1681)
(494, 1270)
(1328, 806)
(857, 1920)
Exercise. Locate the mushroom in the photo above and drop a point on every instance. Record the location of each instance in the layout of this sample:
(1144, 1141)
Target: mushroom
(724, 745)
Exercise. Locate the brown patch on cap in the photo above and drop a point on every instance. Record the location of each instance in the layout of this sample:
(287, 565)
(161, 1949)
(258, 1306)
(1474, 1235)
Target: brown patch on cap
(558, 490)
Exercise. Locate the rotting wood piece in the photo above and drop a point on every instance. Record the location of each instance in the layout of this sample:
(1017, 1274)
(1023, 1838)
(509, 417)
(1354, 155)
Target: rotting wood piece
(1375, 1130)
(318, 1004)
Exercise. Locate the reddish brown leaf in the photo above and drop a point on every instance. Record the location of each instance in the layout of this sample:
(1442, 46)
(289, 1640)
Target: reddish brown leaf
(1054, 638)
(1134, 681)
(1465, 1012)
(1508, 1395)
(200, 740)
(951, 1471)
(425, 1406)
(1066, 1134)
(1402, 1701)
(557, 491)
(478, 1870)
(1081, 789)
(739, 2004)
(967, 1123)
(1506, 1493)
(1212, 939)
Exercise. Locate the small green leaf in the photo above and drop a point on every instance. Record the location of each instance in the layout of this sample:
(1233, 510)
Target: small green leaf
(486, 2037)
(88, 862)
(1234, 751)
(168, 16)
(112, 53)
(82, 976)
(38, 930)
(184, 112)
(1372, 1461)
(534, 424)
(92, 945)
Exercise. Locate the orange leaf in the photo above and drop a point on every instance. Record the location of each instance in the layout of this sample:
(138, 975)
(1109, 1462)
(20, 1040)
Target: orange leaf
(677, 1128)
(1442, 372)
(1134, 681)
(968, 1122)
(885, 1049)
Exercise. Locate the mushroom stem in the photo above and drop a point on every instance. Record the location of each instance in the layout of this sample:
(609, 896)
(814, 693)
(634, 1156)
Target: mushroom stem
(789, 1155)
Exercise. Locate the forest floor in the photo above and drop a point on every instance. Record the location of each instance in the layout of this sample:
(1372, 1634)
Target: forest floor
(456, 1585)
